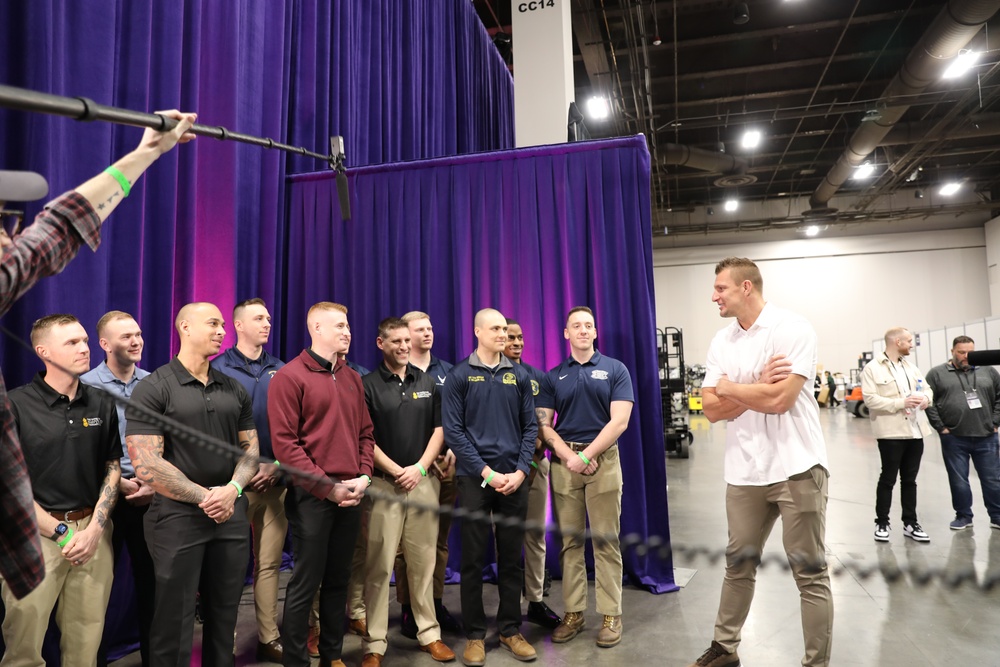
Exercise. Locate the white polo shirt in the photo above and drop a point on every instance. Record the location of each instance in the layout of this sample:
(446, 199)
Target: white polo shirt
(763, 449)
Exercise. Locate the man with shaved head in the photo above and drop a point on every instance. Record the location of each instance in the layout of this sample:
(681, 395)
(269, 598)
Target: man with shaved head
(196, 526)
(487, 409)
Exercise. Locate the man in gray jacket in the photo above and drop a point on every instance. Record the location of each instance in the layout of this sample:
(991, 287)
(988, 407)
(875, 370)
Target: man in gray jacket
(966, 413)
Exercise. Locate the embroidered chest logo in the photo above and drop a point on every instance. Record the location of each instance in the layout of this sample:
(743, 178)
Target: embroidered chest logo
(477, 378)
(421, 394)
(599, 375)
(92, 421)
(442, 378)
(271, 373)
(534, 387)
(509, 378)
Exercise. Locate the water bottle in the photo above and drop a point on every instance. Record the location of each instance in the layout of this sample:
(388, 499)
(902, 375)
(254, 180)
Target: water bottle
(911, 413)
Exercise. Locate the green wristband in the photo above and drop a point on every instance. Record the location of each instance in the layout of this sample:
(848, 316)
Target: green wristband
(423, 472)
(583, 458)
(368, 478)
(277, 464)
(239, 489)
(66, 538)
(533, 464)
(490, 478)
(122, 181)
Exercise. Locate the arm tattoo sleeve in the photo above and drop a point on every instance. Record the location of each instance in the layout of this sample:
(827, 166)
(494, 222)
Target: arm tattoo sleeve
(109, 492)
(246, 467)
(164, 477)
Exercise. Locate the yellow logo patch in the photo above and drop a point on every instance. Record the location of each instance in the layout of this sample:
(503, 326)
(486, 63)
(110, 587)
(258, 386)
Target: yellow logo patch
(534, 387)
(477, 378)
(509, 378)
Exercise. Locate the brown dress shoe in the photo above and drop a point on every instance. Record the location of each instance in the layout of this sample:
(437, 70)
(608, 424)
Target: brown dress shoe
(611, 632)
(570, 627)
(475, 653)
(358, 626)
(270, 652)
(371, 660)
(337, 663)
(519, 647)
(312, 642)
(439, 651)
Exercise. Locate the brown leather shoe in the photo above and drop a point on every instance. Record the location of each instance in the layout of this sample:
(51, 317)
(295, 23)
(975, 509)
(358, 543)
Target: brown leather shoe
(519, 647)
(475, 653)
(358, 626)
(570, 627)
(611, 632)
(337, 663)
(270, 652)
(439, 651)
(371, 660)
(312, 642)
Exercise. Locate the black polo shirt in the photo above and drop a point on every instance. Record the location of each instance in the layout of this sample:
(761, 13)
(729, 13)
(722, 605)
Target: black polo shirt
(67, 444)
(404, 414)
(221, 409)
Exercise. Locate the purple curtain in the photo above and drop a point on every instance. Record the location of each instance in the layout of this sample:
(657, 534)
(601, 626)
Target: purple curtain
(532, 232)
(398, 79)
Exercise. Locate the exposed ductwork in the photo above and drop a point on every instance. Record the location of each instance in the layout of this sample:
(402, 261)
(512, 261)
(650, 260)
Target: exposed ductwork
(952, 30)
(981, 125)
(733, 168)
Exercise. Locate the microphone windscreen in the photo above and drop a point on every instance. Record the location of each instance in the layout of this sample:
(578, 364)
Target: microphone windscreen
(984, 358)
(22, 186)
(343, 196)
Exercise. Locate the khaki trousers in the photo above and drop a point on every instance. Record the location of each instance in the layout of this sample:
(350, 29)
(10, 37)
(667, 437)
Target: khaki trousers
(393, 526)
(82, 593)
(598, 497)
(446, 498)
(534, 543)
(266, 512)
(751, 512)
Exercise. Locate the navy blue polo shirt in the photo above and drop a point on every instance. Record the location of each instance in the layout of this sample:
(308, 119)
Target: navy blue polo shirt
(489, 417)
(357, 368)
(255, 376)
(438, 369)
(536, 375)
(581, 395)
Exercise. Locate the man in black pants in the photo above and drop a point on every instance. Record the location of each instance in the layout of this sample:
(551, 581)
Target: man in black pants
(196, 526)
(489, 421)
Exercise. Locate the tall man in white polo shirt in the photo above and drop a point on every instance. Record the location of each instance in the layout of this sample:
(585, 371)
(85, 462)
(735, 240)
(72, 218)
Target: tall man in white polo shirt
(756, 379)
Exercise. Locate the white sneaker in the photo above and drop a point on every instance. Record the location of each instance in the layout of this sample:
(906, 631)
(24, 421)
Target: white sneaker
(915, 532)
(881, 532)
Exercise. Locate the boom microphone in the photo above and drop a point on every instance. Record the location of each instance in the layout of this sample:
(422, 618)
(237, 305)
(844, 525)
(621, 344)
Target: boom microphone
(343, 195)
(984, 358)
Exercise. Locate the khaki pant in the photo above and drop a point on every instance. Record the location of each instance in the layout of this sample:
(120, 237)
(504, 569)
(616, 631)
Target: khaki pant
(751, 512)
(82, 593)
(393, 526)
(356, 585)
(534, 543)
(266, 512)
(446, 498)
(598, 498)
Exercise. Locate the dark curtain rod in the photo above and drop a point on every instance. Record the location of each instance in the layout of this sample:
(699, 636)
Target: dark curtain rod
(82, 108)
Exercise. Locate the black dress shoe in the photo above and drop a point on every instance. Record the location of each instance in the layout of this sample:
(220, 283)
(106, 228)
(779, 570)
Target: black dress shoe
(447, 622)
(270, 652)
(539, 613)
(408, 624)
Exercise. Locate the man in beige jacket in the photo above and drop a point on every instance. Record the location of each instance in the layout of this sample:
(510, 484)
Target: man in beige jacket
(897, 396)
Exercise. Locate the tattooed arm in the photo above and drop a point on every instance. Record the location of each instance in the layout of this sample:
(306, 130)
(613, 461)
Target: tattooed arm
(146, 452)
(83, 545)
(219, 502)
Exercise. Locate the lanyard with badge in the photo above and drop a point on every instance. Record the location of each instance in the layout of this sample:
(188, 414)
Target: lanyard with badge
(971, 395)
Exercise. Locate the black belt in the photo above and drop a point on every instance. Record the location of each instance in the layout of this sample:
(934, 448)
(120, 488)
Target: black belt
(71, 515)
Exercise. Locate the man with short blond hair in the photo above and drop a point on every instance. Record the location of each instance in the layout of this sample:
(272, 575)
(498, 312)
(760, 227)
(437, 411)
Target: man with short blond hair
(592, 394)
(121, 339)
(321, 426)
(421, 342)
(249, 363)
(196, 526)
(69, 434)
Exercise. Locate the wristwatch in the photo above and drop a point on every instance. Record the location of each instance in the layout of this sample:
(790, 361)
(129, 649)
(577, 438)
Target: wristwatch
(60, 533)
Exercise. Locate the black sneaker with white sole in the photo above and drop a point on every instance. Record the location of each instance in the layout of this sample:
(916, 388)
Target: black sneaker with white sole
(881, 532)
(915, 532)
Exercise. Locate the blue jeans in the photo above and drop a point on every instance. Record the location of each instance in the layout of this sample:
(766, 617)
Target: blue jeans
(957, 450)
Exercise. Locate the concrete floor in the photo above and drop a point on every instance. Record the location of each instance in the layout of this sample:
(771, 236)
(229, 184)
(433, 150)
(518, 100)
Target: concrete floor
(876, 623)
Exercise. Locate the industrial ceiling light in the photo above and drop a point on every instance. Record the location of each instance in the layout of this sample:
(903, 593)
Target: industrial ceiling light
(656, 28)
(863, 171)
(742, 13)
(948, 189)
(751, 138)
(918, 194)
(812, 230)
(963, 62)
(731, 205)
(597, 108)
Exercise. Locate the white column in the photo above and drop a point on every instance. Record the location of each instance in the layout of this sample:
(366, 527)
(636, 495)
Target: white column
(542, 34)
